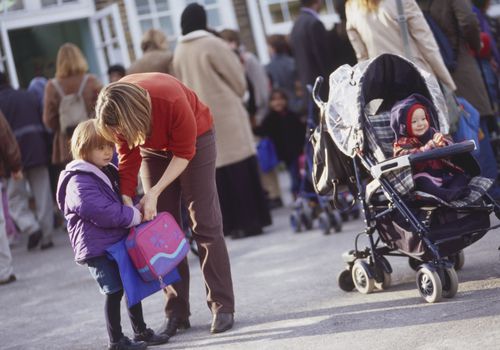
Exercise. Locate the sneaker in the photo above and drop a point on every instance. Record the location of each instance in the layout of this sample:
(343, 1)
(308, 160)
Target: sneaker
(151, 338)
(10, 279)
(126, 344)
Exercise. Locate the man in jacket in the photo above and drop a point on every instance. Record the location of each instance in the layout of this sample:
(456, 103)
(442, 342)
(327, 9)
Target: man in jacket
(309, 44)
(23, 113)
(10, 160)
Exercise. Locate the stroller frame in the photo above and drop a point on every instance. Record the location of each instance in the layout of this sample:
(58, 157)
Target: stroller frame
(368, 268)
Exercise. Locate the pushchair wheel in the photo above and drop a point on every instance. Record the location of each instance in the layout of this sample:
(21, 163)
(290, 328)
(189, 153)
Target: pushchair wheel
(414, 263)
(344, 279)
(429, 284)
(449, 280)
(386, 283)
(458, 260)
(324, 223)
(362, 279)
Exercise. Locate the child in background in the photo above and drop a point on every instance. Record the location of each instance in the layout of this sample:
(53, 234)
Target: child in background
(88, 195)
(411, 120)
(287, 132)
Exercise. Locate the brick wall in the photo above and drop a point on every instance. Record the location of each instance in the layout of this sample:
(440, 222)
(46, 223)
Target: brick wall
(100, 4)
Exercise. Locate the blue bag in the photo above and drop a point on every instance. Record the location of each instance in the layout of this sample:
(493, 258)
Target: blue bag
(468, 124)
(266, 154)
(135, 287)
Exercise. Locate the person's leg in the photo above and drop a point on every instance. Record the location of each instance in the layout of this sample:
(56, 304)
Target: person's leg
(200, 194)
(152, 168)
(113, 317)
(6, 270)
(21, 213)
(39, 181)
(293, 170)
(137, 318)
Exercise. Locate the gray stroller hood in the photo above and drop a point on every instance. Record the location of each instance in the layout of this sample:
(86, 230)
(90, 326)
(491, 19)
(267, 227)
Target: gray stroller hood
(379, 82)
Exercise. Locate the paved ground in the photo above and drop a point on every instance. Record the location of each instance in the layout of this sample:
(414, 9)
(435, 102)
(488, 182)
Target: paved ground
(287, 298)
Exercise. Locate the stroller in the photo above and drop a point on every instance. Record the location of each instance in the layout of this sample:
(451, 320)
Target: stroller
(310, 206)
(408, 223)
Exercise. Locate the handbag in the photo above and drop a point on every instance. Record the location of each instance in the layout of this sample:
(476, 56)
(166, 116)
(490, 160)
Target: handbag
(156, 247)
(266, 155)
(468, 124)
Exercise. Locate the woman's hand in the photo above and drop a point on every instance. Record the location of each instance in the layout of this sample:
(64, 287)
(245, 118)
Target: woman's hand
(148, 205)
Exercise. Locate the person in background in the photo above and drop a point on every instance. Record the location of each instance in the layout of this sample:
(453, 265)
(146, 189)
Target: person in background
(309, 41)
(116, 72)
(88, 194)
(23, 112)
(373, 29)
(287, 132)
(260, 88)
(156, 55)
(342, 51)
(207, 65)
(10, 161)
(71, 70)
(282, 70)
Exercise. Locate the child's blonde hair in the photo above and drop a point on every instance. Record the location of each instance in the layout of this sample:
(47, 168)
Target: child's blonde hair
(86, 138)
(124, 109)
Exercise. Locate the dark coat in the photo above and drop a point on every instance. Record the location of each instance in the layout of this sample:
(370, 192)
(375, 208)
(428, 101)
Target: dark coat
(309, 40)
(460, 25)
(23, 112)
(91, 203)
(287, 133)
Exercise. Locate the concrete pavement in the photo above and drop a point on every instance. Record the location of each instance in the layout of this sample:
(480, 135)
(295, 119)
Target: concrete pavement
(287, 298)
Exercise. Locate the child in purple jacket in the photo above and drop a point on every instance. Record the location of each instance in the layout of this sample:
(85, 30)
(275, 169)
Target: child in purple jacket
(89, 197)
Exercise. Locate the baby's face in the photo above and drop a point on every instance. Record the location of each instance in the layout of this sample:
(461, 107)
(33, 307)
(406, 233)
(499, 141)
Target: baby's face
(419, 123)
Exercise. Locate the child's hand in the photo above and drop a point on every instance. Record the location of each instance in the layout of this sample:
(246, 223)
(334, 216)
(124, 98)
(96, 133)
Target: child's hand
(439, 140)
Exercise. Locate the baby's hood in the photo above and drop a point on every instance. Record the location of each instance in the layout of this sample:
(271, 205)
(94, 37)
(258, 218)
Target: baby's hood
(400, 110)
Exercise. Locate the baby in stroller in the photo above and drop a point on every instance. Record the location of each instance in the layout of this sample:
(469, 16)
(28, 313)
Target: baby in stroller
(412, 125)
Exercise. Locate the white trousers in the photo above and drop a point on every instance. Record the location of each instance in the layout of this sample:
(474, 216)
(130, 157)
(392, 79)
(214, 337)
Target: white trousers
(5, 256)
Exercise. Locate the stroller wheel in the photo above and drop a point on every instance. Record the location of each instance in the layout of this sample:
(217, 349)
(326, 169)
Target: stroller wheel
(344, 279)
(429, 284)
(324, 223)
(386, 283)
(384, 269)
(335, 220)
(414, 263)
(458, 260)
(295, 223)
(362, 279)
(450, 283)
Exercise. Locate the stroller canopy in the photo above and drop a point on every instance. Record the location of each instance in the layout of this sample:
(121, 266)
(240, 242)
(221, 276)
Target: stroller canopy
(372, 87)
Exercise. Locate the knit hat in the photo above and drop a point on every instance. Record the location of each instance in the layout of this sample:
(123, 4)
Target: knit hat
(402, 111)
(193, 18)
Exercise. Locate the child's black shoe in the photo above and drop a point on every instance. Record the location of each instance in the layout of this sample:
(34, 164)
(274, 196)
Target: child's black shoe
(126, 344)
(151, 338)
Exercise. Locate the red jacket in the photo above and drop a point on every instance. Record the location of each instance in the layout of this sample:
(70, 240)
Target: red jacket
(178, 118)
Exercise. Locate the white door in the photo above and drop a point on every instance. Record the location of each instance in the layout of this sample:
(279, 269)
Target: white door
(109, 39)
(6, 60)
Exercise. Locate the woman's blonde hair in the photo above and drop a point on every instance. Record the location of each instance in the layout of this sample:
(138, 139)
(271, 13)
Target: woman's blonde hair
(369, 5)
(124, 110)
(70, 61)
(85, 138)
(154, 39)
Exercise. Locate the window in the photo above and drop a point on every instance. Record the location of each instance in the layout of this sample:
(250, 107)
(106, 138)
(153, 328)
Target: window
(11, 5)
(279, 15)
(165, 15)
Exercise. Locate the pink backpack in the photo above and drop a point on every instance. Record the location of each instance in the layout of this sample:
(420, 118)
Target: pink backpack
(156, 247)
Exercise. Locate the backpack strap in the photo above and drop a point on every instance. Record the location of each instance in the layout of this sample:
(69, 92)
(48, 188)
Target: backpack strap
(82, 84)
(58, 87)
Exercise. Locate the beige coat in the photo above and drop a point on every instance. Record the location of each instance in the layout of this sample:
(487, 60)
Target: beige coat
(377, 32)
(70, 85)
(207, 65)
(152, 61)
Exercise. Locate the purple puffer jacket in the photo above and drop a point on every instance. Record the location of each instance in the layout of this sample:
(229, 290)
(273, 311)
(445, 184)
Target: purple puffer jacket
(96, 216)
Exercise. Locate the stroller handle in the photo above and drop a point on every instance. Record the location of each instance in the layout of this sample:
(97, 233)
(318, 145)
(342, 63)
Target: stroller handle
(315, 92)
